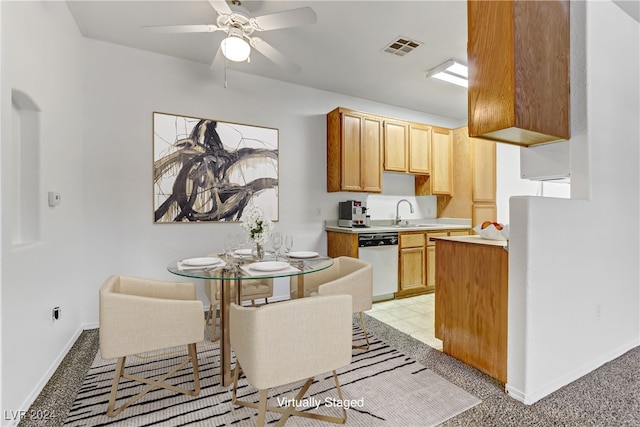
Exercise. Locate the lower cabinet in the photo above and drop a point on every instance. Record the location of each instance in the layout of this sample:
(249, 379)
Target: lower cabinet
(417, 268)
(413, 261)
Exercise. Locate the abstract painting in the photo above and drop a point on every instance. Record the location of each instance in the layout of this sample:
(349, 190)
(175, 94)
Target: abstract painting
(209, 170)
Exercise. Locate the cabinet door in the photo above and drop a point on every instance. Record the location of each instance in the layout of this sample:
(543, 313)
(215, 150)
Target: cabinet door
(395, 146)
(350, 171)
(483, 212)
(419, 149)
(412, 268)
(371, 152)
(441, 147)
(484, 171)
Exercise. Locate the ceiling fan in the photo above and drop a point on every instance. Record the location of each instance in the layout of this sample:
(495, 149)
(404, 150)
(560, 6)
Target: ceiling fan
(239, 25)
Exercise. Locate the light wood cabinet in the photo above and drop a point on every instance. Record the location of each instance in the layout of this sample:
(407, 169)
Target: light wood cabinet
(342, 244)
(518, 75)
(419, 149)
(395, 146)
(484, 171)
(441, 158)
(484, 182)
(407, 147)
(354, 151)
(412, 269)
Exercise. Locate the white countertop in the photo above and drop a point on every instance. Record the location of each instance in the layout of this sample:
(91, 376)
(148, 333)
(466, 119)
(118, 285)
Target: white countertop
(420, 225)
(473, 239)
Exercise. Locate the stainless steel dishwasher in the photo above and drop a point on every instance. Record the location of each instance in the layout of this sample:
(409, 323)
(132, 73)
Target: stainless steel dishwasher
(381, 250)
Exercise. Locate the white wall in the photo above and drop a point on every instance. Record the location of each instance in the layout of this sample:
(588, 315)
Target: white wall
(41, 58)
(574, 284)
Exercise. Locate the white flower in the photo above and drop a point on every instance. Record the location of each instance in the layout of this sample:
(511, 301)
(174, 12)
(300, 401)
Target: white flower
(258, 227)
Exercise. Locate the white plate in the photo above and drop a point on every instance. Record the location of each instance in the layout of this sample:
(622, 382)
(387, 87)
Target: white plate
(269, 265)
(201, 262)
(243, 252)
(303, 254)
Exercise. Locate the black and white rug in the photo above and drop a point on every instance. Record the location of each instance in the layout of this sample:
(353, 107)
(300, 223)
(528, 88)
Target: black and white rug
(383, 387)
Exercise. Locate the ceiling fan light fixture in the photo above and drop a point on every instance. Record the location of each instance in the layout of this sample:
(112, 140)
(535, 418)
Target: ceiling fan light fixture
(452, 72)
(234, 46)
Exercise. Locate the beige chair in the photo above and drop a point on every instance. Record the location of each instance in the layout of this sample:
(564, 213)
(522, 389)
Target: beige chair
(140, 316)
(346, 276)
(252, 290)
(290, 341)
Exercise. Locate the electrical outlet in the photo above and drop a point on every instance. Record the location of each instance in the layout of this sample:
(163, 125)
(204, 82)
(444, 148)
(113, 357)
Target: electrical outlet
(55, 313)
(598, 311)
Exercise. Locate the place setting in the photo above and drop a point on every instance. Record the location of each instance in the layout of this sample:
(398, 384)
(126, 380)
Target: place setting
(200, 263)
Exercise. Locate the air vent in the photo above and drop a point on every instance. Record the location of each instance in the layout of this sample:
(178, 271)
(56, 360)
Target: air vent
(401, 46)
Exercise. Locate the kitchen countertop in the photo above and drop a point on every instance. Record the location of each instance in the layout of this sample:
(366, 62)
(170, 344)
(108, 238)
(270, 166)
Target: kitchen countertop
(415, 225)
(473, 239)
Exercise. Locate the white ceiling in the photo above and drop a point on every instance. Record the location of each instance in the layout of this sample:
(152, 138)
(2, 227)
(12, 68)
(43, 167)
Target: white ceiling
(341, 53)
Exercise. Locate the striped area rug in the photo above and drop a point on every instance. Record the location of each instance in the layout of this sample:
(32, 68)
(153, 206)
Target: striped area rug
(383, 387)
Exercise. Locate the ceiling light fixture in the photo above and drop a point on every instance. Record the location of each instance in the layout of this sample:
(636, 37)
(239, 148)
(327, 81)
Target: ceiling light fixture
(235, 47)
(452, 72)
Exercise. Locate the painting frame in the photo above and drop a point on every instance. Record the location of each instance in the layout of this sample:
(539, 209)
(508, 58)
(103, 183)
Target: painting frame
(207, 170)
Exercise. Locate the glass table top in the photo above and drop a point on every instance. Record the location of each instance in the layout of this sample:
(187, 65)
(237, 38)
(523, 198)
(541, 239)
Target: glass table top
(248, 268)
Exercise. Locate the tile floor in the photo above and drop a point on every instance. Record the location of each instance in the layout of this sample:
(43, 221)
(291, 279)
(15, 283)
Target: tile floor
(413, 316)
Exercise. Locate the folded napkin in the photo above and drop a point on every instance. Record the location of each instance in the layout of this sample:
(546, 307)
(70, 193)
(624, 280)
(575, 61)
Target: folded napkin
(257, 273)
(184, 267)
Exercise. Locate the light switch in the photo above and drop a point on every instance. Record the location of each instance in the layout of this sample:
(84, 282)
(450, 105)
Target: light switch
(54, 198)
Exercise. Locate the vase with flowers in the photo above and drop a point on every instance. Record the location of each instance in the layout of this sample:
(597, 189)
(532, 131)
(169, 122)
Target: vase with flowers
(259, 229)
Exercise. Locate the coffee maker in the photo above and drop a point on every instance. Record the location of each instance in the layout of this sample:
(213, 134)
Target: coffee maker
(352, 214)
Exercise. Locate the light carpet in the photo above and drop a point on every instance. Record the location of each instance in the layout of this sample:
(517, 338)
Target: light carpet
(383, 386)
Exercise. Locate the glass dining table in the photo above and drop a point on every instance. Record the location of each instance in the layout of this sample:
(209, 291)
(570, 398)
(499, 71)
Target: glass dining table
(231, 268)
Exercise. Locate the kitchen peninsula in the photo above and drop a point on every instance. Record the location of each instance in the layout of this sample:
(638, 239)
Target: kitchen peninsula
(471, 301)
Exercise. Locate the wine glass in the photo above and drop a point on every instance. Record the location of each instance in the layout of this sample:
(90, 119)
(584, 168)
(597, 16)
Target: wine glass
(276, 242)
(288, 243)
(229, 245)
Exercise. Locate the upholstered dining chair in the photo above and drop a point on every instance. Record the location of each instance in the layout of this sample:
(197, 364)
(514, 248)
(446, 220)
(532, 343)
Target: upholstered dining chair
(252, 290)
(290, 341)
(347, 275)
(142, 316)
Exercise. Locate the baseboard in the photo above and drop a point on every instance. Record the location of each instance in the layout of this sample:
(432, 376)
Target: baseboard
(547, 389)
(43, 382)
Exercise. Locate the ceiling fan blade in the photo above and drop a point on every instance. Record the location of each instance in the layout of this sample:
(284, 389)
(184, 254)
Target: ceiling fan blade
(274, 55)
(203, 28)
(288, 18)
(221, 7)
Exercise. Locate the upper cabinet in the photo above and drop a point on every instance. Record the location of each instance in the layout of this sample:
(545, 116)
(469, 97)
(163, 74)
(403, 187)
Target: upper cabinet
(407, 147)
(354, 151)
(441, 157)
(518, 55)
(419, 149)
(395, 146)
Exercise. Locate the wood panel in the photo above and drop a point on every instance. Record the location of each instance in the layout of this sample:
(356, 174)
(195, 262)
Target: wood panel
(395, 146)
(412, 268)
(518, 57)
(459, 204)
(472, 303)
(441, 176)
(334, 137)
(371, 146)
(484, 171)
(342, 244)
(484, 212)
(351, 152)
(419, 149)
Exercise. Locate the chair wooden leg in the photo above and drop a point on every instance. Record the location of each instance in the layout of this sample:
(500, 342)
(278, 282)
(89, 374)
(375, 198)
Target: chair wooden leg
(114, 387)
(151, 383)
(366, 335)
(262, 408)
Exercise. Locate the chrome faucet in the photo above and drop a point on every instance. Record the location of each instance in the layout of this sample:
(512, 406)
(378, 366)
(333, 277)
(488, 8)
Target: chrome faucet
(397, 209)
